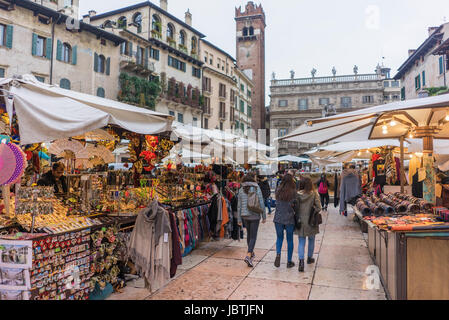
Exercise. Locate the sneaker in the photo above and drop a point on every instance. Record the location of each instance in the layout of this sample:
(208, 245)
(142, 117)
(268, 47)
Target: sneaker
(290, 264)
(277, 262)
(249, 262)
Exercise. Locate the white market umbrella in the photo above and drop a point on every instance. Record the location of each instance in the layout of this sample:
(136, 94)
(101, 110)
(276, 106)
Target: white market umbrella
(293, 159)
(47, 112)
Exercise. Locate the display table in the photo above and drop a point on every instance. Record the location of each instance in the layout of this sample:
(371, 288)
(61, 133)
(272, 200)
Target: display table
(413, 265)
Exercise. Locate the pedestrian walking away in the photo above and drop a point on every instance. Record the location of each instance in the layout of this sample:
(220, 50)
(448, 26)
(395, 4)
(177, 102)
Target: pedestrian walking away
(284, 218)
(307, 199)
(323, 190)
(266, 192)
(251, 209)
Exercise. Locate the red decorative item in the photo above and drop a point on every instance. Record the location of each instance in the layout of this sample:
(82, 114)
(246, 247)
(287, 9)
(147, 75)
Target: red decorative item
(29, 155)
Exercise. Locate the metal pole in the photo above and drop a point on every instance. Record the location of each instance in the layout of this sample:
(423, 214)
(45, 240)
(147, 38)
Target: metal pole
(402, 173)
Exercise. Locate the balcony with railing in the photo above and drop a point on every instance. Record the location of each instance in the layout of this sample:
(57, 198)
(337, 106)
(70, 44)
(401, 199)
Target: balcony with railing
(179, 93)
(325, 80)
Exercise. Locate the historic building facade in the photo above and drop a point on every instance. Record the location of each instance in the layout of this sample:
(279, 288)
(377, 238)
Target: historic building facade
(251, 55)
(162, 46)
(242, 110)
(219, 83)
(36, 40)
(427, 66)
(293, 101)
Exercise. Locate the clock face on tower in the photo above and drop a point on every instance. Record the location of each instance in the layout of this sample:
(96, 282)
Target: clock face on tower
(246, 51)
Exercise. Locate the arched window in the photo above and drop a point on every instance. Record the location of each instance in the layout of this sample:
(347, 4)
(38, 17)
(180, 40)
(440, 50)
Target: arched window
(66, 52)
(107, 24)
(182, 37)
(170, 31)
(156, 23)
(137, 21)
(64, 84)
(122, 22)
(100, 92)
(251, 31)
(245, 31)
(101, 63)
(194, 44)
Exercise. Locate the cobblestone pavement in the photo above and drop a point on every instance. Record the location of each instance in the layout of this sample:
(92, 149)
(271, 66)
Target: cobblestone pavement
(216, 271)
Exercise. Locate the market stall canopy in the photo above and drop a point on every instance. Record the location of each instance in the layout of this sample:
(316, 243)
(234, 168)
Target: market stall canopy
(47, 112)
(186, 155)
(440, 146)
(199, 135)
(95, 135)
(389, 121)
(362, 145)
(293, 159)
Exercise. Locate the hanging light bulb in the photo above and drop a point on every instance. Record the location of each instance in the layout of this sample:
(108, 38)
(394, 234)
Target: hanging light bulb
(447, 115)
(360, 153)
(393, 123)
(410, 135)
(384, 127)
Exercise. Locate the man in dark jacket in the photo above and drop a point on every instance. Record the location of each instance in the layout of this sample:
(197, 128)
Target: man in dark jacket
(266, 192)
(55, 178)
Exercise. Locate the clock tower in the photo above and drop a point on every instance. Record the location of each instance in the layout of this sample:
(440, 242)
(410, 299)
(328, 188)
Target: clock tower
(251, 55)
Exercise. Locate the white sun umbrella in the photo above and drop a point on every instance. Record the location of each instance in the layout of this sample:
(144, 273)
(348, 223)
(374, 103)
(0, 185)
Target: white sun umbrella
(389, 121)
(48, 112)
(290, 158)
(186, 155)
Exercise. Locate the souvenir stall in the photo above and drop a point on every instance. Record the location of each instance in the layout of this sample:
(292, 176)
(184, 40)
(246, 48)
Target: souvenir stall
(65, 245)
(408, 236)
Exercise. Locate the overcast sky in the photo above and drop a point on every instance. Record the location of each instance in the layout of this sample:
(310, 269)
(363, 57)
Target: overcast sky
(305, 34)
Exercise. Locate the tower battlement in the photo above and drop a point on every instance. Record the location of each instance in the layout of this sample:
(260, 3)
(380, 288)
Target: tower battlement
(251, 9)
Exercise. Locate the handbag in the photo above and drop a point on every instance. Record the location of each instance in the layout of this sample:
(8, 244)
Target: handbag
(315, 218)
(297, 217)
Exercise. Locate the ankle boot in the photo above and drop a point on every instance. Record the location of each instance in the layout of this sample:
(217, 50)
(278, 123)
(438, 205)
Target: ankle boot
(290, 264)
(277, 262)
(310, 260)
(301, 266)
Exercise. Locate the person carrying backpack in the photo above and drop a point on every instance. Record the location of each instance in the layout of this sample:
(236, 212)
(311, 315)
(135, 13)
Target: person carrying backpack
(323, 190)
(251, 209)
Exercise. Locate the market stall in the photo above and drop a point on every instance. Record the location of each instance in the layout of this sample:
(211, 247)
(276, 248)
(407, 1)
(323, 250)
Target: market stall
(408, 236)
(79, 226)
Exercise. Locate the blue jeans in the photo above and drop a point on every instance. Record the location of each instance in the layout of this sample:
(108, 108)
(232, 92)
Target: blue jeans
(302, 245)
(280, 238)
(268, 204)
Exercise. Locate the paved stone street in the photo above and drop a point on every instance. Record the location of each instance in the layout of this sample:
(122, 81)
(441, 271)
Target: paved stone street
(216, 270)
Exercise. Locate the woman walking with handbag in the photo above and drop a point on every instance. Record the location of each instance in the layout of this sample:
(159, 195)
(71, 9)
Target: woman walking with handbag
(251, 209)
(309, 206)
(284, 218)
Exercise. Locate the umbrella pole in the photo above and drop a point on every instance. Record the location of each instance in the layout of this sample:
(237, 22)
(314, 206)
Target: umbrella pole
(402, 171)
(429, 182)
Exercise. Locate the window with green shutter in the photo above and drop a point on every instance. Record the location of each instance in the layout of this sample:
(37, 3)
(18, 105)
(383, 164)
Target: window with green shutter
(418, 82)
(402, 94)
(49, 48)
(65, 84)
(2, 35)
(9, 36)
(96, 62)
(250, 111)
(424, 78)
(59, 50)
(147, 55)
(441, 65)
(74, 55)
(101, 93)
(242, 106)
(2, 73)
(108, 66)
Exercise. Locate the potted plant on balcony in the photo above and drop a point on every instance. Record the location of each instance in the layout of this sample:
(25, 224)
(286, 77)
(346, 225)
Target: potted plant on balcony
(183, 48)
(171, 42)
(156, 34)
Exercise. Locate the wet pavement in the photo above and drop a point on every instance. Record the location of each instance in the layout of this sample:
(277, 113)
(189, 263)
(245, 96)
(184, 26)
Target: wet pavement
(216, 271)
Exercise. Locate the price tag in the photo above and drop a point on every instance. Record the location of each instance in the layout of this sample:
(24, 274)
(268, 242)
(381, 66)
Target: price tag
(165, 237)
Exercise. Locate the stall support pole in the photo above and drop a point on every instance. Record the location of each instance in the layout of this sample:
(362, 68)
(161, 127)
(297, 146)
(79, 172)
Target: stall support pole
(402, 173)
(430, 180)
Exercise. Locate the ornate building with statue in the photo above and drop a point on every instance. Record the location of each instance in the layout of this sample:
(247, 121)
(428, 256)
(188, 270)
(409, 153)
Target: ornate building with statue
(295, 100)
